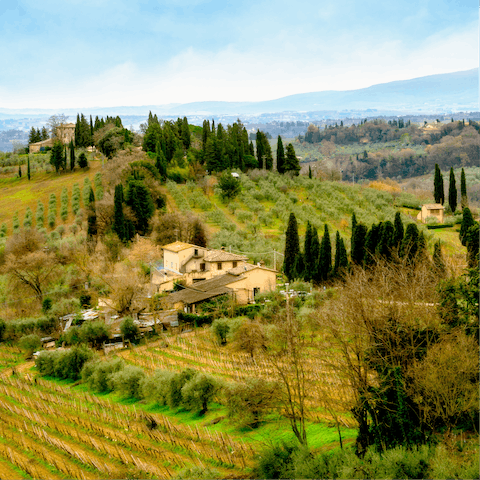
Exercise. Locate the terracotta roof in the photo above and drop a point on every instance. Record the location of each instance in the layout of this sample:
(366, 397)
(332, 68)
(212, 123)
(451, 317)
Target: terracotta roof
(178, 246)
(222, 256)
(216, 282)
(433, 206)
(247, 267)
(190, 296)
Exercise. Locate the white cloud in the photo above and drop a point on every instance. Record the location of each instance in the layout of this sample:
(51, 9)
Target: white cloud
(279, 65)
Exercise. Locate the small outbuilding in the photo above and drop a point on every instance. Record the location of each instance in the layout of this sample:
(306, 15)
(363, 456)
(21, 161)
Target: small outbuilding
(432, 210)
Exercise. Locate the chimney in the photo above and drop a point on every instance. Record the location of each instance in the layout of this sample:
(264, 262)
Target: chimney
(223, 249)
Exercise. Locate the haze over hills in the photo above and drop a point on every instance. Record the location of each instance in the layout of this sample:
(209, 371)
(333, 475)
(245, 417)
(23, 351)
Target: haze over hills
(449, 92)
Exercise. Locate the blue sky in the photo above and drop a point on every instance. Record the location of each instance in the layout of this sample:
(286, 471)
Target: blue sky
(85, 53)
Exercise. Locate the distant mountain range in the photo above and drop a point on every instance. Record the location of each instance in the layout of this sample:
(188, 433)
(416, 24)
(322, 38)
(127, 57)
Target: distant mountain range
(448, 92)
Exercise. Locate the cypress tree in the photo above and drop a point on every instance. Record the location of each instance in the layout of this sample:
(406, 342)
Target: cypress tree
(438, 190)
(28, 167)
(315, 249)
(310, 261)
(472, 243)
(118, 216)
(309, 172)
(467, 222)
(72, 155)
(260, 150)
(452, 191)
(438, 261)
(398, 230)
(280, 156)
(325, 257)
(411, 244)
(19, 171)
(299, 267)
(291, 161)
(386, 240)
(371, 242)
(139, 199)
(463, 190)
(354, 224)
(292, 247)
(91, 220)
(358, 243)
(341, 260)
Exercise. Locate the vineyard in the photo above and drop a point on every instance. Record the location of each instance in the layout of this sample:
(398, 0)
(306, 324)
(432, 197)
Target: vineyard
(199, 351)
(52, 431)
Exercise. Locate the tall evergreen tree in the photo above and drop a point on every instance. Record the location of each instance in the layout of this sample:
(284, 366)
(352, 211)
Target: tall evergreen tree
(309, 172)
(341, 259)
(19, 171)
(386, 240)
(310, 261)
(325, 257)
(91, 220)
(463, 189)
(315, 252)
(291, 161)
(472, 240)
(138, 197)
(410, 244)
(186, 134)
(56, 155)
(358, 243)
(467, 222)
(118, 216)
(438, 192)
(160, 161)
(354, 224)
(398, 230)
(438, 261)
(28, 167)
(280, 156)
(371, 242)
(72, 155)
(45, 135)
(452, 191)
(292, 247)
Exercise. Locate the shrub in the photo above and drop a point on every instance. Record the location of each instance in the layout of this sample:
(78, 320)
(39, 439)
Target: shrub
(177, 382)
(127, 381)
(129, 329)
(94, 332)
(198, 392)
(46, 304)
(276, 461)
(3, 230)
(157, 387)
(96, 373)
(229, 186)
(70, 363)
(45, 363)
(248, 402)
(220, 329)
(82, 160)
(30, 343)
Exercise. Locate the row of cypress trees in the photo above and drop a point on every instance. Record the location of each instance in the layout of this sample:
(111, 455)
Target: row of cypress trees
(439, 192)
(384, 240)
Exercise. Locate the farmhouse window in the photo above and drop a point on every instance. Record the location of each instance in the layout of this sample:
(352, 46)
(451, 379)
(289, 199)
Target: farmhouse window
(235, 264)
(219, 265)
(202, 267)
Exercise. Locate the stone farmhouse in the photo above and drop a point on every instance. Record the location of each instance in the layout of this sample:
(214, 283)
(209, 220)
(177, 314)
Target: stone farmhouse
(207, 273)
(431, 210)
(65, 133)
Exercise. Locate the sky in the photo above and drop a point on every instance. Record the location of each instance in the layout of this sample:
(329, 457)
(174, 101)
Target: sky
(90, 53)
